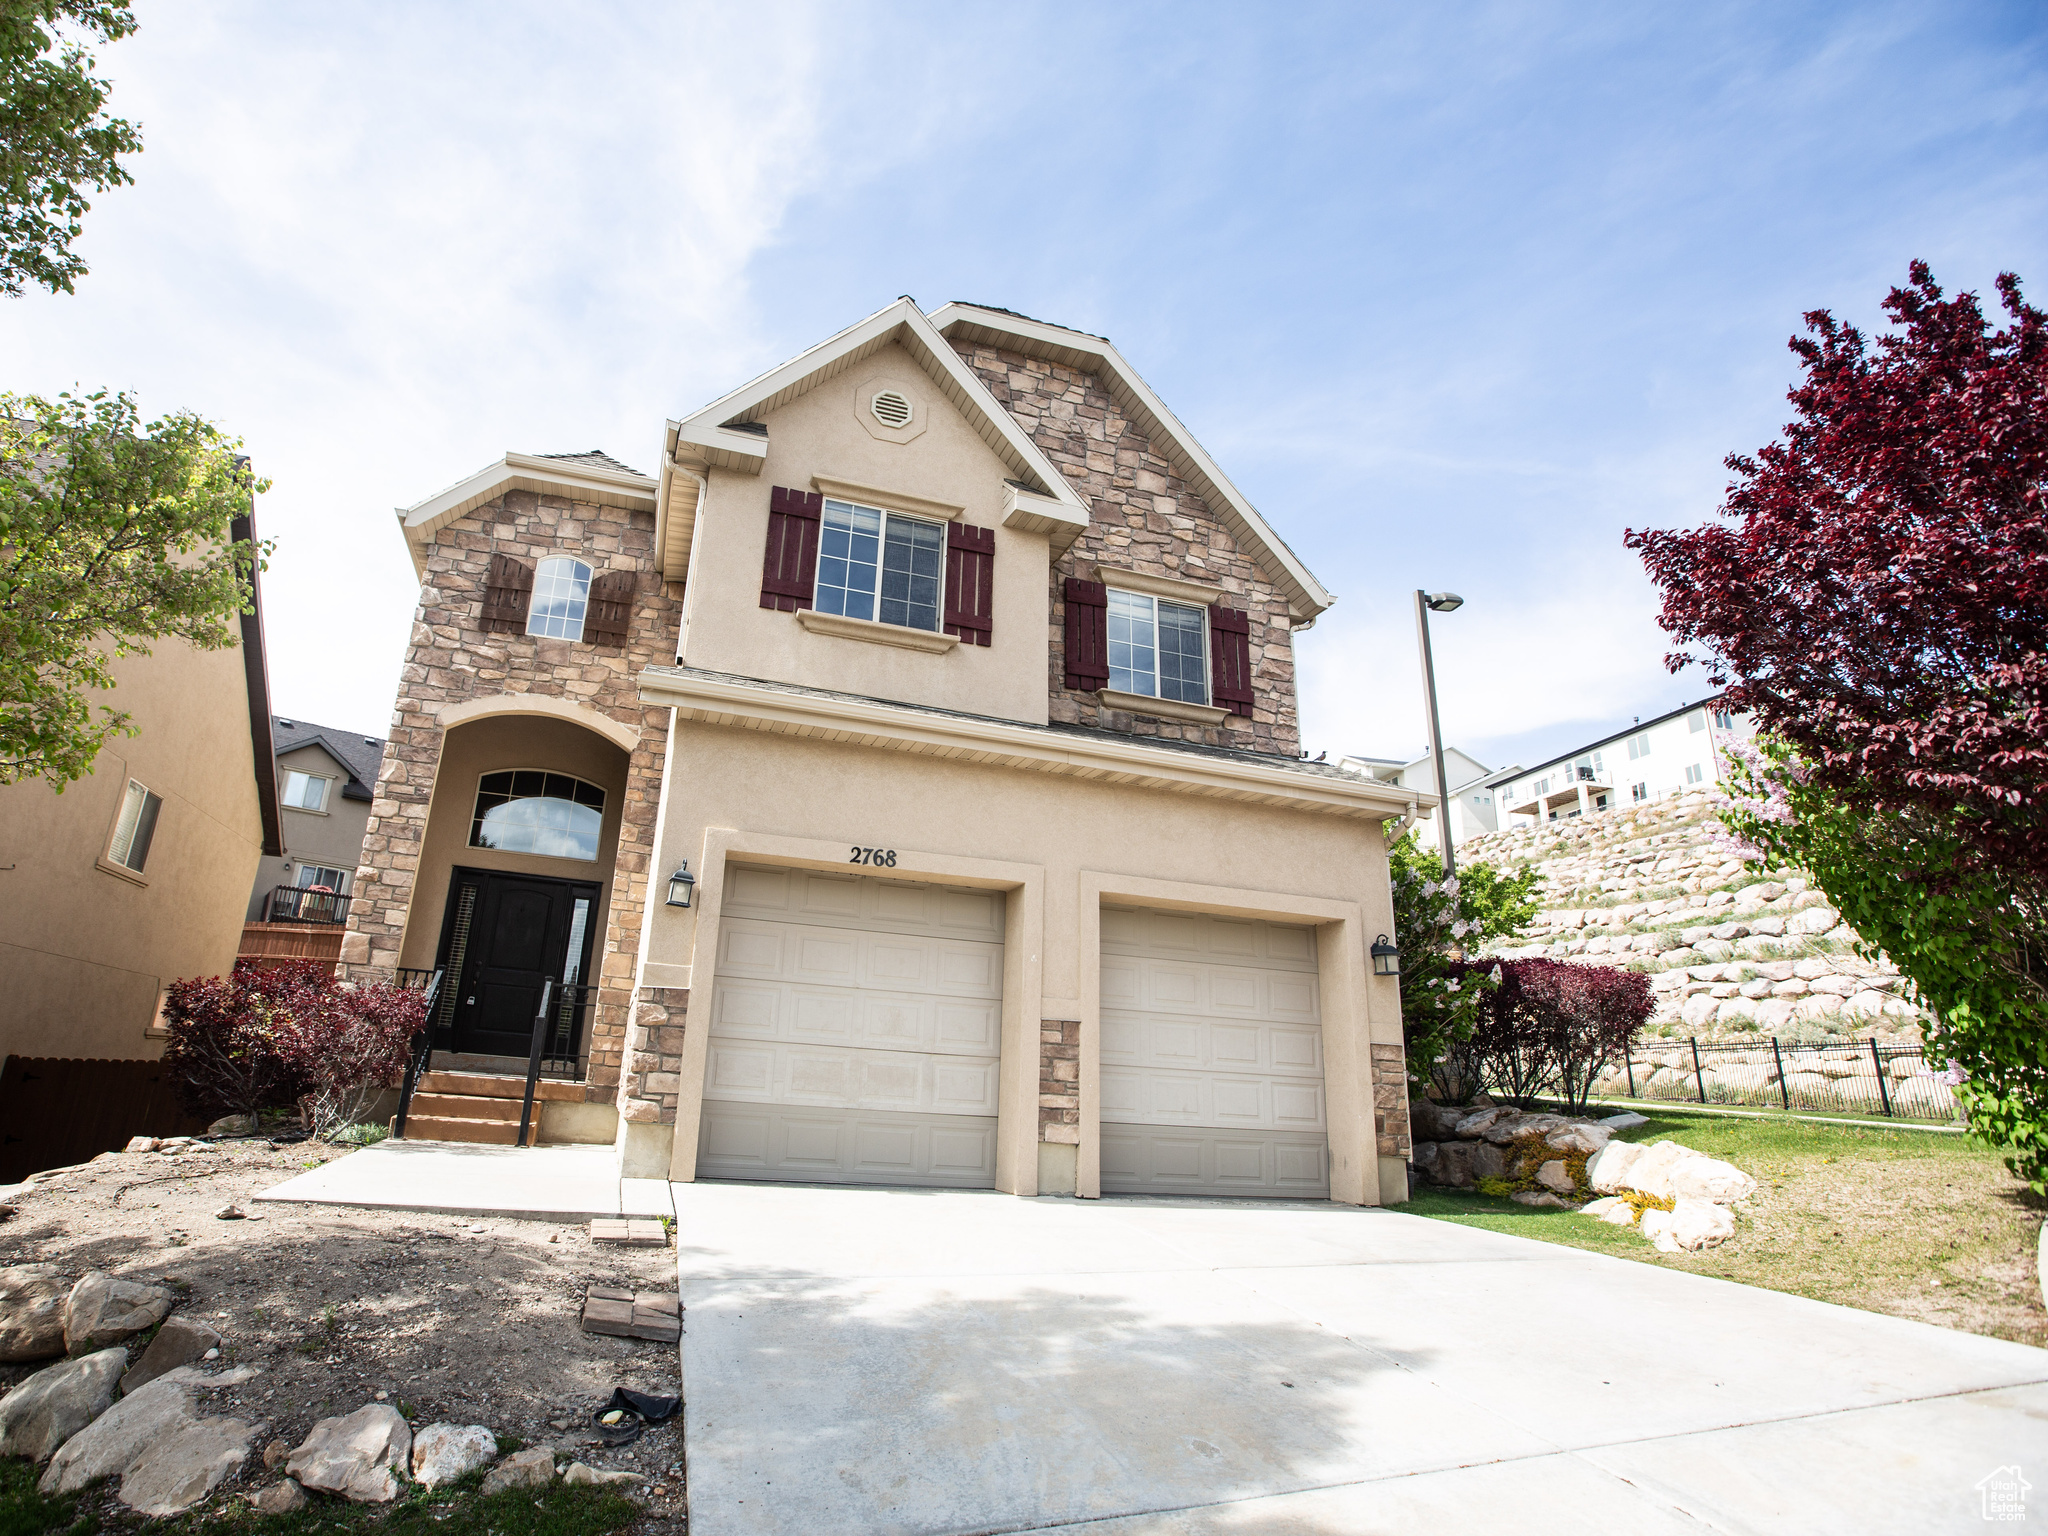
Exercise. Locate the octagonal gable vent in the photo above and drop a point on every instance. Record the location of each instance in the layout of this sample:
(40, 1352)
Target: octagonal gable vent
(891, 409)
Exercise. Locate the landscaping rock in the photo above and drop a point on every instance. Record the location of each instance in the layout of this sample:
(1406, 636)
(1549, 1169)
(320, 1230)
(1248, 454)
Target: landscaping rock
(360, 1456)
(32, 1313)
(1608, 1169)
(1708, 1178)
(1487, 1162)
(1475, 1124)
(1579, 1138)
(114, 1441)
(179, 1342)
(102, 1310)
(1541, 1197)
(57, 1402)
(275, 1455)
(534, 1468)
(1651, 1172)
(1454, 1164)
(580, 1474)
(279, 1498)
(233, 1125)
(1691, 1226)
(1431, 1121)
(142, 1144)
(177, 1473)
(1627, 1120)
(443, 1452)
(1554, 1176)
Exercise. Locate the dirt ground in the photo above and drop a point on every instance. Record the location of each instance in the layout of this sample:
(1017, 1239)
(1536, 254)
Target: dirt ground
(467, 1320)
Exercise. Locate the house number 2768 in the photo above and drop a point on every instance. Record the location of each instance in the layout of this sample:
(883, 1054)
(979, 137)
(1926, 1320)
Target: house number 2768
(886, 857)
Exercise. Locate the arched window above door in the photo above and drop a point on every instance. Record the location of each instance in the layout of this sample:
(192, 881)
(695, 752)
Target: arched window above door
(528, 810)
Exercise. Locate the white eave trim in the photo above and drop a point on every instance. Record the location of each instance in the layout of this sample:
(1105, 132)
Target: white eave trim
(1116, 760)
(1306, 596)
(522, 472)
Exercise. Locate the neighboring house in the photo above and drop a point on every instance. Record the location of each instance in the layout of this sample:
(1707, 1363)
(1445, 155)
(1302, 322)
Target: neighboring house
(1472, 808)
(326, 778)
(139, 873)
(900, 786)
(1645, 761)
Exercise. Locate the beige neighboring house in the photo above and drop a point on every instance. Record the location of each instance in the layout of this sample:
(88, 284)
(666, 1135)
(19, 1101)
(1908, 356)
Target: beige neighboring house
(138, 874)
(326, 778)
(902, 785)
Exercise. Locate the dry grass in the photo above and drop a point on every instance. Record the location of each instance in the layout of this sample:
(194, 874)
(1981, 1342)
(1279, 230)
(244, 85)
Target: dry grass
(1913, 1223)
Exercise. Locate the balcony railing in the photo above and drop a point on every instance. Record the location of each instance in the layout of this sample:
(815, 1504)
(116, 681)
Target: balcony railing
(299, 904)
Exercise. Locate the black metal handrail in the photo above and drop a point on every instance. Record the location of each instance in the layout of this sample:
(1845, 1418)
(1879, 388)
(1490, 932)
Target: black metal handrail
(558, 1029)
(422, 1046)
(302, 904)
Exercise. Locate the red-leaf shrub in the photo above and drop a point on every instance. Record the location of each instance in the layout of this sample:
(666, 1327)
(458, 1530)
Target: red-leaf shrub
(230, 1050)
(352, 1047)
(1547, 1027)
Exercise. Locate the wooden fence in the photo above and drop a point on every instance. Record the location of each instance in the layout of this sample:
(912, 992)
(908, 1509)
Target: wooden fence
(57, 1112)
(269, 942)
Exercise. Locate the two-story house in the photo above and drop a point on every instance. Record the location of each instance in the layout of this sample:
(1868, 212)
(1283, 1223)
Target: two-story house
(1648, 760)
(326, 779)
(900, 786)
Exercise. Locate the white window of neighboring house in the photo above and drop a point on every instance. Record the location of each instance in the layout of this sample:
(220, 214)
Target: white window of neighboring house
(310, 875)
(1640, 791)
(1725, 719)
(1156, 648)
(1696, 721)
(1694, 773)
(135, 829)
(1542, 787)
(561, 598)
(305, 791)
(1639, 745)
(880, 565)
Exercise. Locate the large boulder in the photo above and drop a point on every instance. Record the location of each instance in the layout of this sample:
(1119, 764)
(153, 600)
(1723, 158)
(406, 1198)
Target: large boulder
(532, 1468)
(32, 1312)
(57, 1402)
(180, 1341)
(1689, 1227)
(177, 1472)
(1454, 1164)
(1578, 1138)
(361, 1456)
(1422, 1158)
(1608, 1169)
(115, 1440)
(1431, 1121)
(443, 1452)
(1487, 1161)
(1651, 1173)
(1476, 1123)
(102, 1310)
(1710, 1179)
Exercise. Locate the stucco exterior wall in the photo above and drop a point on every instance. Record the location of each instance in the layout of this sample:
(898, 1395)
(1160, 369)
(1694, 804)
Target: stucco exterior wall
(333, 837)
(85, 950)
(452, 666)
(829, 432)
(1143, 518)
(1066, 848)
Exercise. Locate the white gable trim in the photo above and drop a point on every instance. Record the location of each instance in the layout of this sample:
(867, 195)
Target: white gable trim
(1306, 597)
(703, 440)
(521, 472)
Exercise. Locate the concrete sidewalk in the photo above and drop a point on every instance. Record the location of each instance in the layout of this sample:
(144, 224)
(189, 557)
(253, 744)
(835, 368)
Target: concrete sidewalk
(861, 1360)
(462, 1179)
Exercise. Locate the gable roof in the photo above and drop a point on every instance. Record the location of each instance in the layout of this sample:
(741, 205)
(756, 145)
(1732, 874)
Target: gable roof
(1171, 440)
(729, 432)
(1508, 775)
(357, 755)
(595, 477)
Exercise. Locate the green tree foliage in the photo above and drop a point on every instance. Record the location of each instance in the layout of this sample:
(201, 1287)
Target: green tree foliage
(56, 139)
(1436, 922)
(1972, 935)
(112, 535)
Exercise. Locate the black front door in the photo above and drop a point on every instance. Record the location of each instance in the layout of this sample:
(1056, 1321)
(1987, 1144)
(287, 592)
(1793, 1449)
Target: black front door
(505, 936)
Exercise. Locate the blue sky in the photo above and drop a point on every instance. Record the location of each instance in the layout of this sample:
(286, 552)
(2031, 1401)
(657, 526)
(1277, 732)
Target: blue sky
(1454, 293)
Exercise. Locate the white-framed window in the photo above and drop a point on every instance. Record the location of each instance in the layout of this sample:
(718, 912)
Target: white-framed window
(1639, 745)
(311, 876)
(561, 598)
(1542, 787)
(1157, 648)
(1694, 773)
(135, 829)
(305, 791)
(1725, 719)
(1696, 721)
(880, 565)
(529, 810)
(1639, 792)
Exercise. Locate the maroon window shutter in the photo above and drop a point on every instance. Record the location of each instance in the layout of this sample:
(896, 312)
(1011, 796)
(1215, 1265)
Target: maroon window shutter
(507, 589)
(1087, 634)
(970, 582)
(610, 609)
(789, 570)
(1230, 660)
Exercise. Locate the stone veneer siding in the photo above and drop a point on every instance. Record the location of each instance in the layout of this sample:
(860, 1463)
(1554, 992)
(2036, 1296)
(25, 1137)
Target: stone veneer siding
(1390, 1101)
(1143, 518)
(659, 1019)
(452, 659)
(1059, 1081)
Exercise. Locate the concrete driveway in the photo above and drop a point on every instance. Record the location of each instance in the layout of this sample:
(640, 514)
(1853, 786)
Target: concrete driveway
(860, 1360)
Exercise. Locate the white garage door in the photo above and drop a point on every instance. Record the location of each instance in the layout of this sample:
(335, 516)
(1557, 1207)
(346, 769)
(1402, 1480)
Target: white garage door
(1212, 1057)
(856, 1032)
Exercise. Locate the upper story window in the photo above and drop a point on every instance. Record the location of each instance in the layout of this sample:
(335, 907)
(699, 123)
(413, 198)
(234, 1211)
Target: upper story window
(880, 565)
(1639, 745)
(526, 810)
(561, 598)
(1696, 721)
(305, 791)
(1725, 719)
(1156, 648)
(136, 828)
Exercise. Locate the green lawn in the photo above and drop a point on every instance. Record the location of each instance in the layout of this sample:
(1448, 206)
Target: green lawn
(1915, 1223)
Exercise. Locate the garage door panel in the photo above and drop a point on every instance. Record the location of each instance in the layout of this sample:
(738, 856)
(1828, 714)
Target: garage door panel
(785, 1142)
(846, 1078)
(1158, 1160)
(822, 899)
(882, 1021)
(1154, 1096)
(1211, 1045)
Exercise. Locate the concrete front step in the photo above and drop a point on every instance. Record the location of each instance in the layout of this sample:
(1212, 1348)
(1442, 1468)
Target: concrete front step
(503, 1133)
(493, 1085)
(458, 1106)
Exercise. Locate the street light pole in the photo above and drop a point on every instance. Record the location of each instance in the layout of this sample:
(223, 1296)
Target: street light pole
(1442, 602)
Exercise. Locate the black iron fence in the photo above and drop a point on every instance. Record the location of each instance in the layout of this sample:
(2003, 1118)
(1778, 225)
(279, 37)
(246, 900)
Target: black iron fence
(298, 904)
(1860, 1077)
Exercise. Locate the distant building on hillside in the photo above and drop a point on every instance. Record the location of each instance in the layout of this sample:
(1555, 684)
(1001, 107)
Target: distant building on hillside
(1472, 798)
(1646, 760)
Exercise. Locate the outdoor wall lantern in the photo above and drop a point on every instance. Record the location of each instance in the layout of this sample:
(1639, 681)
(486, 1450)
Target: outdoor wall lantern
(680, 884)
(1386, 959)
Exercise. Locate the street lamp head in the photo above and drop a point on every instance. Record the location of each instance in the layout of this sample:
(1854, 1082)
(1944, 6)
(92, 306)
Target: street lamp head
(1444, 602)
